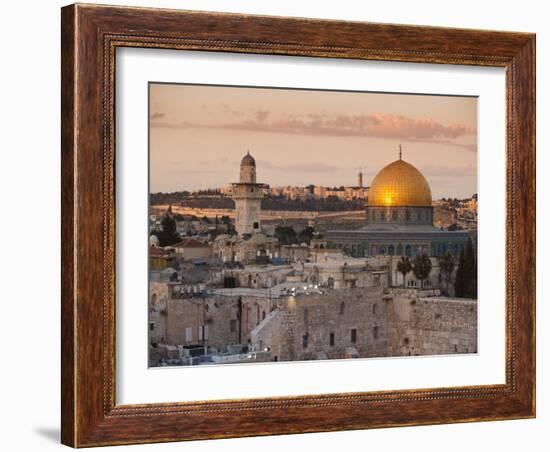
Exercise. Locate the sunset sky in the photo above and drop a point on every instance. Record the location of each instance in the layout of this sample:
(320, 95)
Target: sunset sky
(198, 135)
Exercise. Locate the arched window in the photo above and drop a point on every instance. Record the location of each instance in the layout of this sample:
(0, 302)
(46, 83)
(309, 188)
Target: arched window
(342, 307)
(399, 249)
(375, 332)
(408, 251)
(391, 250)
(382, 249)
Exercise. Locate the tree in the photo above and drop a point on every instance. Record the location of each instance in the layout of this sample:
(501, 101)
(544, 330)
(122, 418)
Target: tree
(470, 283)
(460, 277)
(285, 234)
(169, 235)
(446, 267)
(404, 267)
(422, 266)
(454, 227)
(466, 274)
(306, 235)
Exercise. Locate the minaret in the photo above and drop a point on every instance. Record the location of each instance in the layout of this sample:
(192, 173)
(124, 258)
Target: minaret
(247, 195)
(360, 178)
(400, 152)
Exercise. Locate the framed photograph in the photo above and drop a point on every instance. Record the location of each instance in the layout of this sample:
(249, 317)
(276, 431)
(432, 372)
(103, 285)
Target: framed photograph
(282, 225)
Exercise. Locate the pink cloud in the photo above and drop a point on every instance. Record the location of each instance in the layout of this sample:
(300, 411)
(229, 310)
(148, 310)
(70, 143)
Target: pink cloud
(377, 125)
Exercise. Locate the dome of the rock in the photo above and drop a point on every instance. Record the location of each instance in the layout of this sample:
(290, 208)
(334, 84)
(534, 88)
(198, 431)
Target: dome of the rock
(399, 184)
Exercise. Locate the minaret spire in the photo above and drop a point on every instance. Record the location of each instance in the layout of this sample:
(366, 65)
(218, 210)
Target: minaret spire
(400, 152)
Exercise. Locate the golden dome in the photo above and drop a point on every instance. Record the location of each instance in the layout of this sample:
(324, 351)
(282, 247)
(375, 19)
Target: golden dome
(399, 184)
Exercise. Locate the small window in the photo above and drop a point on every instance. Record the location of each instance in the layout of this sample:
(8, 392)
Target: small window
(233, 325)
(305, 340)
(203, 332)
(151, 326)
(256, 225)
(306, 315)
(353, 336)
(342, 307)
(375, 332)
(374, 308)
(331, 339)
(188, 334)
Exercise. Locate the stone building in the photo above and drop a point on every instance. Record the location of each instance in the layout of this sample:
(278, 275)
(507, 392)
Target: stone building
(260, 277)
(327, 325)
(215, 319)
(295, 252)
(247, 194)
(420, 325)
(399, 219)
(345, 273)
(250, 249)
(159, 295)
(160, 258)
(298, 321)
(189, 249)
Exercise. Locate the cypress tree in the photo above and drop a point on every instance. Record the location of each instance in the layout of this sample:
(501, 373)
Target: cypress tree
(470, 276)
(466, 274)
(460, 276)
(422, 266)
(169, 235)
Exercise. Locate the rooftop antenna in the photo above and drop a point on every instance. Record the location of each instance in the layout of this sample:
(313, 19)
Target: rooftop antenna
(400, 152)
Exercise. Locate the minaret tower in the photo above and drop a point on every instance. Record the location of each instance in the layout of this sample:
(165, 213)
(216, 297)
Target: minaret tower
(247, 195)
(360, 178)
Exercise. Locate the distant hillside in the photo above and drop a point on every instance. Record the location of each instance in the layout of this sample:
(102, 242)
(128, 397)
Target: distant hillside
(218, 201)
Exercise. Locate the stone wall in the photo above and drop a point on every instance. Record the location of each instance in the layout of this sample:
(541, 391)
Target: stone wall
(302, 326)
(396, 322)
(218, 314)
(159, 294)
(430, 326)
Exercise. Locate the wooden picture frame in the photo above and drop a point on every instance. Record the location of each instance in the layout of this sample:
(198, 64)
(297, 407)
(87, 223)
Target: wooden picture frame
(90, 36)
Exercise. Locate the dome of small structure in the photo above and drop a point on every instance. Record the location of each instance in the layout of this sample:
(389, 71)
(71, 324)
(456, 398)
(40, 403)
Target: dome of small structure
(399, 184)
(248, 160)
(153, 240)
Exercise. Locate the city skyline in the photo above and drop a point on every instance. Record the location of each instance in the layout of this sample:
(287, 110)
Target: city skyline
(199, 133)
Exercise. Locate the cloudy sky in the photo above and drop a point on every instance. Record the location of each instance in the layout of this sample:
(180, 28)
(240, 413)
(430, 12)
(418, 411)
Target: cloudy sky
(198, 134)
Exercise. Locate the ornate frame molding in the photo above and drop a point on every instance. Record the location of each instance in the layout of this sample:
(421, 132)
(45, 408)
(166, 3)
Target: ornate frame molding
(90, 37)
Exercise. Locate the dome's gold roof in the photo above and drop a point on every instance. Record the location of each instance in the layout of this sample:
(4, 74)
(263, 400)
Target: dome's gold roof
(399, 184)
